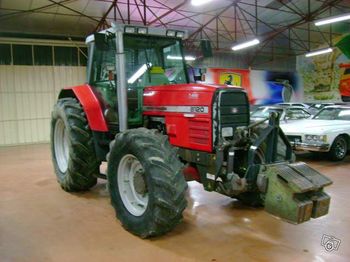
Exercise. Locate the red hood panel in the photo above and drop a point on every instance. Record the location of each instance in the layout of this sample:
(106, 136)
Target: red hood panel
(188, 87)
(180, 94)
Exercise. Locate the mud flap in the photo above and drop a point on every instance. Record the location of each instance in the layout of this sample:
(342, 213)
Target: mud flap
(294, 192)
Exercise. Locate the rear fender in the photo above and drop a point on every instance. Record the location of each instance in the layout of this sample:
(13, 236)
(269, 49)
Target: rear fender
(90, 104)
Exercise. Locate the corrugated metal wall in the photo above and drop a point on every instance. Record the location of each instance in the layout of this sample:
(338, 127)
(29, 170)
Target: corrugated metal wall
(223, 61)
(27, 96)
(240, 62)
(28, 92)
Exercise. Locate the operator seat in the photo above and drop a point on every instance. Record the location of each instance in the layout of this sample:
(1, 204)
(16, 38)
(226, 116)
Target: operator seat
(155, 77)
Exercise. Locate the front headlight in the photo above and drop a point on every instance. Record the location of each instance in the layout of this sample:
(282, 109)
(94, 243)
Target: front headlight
(316, 138)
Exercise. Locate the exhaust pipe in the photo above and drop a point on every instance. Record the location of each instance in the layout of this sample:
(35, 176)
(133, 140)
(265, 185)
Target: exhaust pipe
(121, 81)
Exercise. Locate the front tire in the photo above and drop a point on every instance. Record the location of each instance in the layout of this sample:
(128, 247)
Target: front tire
(146, 183)
(72, 148)
(339, 149)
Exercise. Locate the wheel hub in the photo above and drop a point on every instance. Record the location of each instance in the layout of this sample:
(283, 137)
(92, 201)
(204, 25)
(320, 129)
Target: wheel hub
(132, 185)
(61, 145)
(140, 183)
(340, 149)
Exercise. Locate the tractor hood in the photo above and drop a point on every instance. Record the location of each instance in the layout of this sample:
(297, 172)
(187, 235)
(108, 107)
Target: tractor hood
(190, 87)
(187, 111)
(193, 94)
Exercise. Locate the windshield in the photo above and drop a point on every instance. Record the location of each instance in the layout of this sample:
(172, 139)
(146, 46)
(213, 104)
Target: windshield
(333, 114)
(296, 113)
(152, 61)
(265, 112)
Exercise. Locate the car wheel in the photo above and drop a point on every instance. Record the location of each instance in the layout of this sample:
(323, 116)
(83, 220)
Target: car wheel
(339, 149)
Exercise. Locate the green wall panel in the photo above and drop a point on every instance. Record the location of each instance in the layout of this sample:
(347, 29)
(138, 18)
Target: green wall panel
(66, 56)
(22, 55)
(43, 55)
(5, 54)
(82, 58)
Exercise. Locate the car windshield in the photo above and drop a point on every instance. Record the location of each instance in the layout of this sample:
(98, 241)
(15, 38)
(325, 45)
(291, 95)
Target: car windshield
(319, 106)
(333, 114)
(264, 112)
(296, 113)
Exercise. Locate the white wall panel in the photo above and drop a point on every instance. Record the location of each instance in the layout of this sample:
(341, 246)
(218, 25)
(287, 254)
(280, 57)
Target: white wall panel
(27, 96)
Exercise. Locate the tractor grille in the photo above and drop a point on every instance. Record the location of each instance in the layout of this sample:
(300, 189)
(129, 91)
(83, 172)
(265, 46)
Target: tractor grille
(199, 131)
(234, 109)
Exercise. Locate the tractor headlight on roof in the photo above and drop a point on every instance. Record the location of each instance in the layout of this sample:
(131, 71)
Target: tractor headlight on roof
(175, 33)
(142, 30)
(316, 138)
(171, 33)
(130, 30)
(180, 34)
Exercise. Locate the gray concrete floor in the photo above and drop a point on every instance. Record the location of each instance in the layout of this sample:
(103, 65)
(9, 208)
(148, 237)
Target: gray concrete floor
(40, 222)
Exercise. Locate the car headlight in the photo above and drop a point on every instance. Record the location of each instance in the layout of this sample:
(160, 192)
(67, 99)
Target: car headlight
(316, 138)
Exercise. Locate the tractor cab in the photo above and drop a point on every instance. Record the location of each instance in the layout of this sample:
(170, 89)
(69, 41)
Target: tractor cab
(150, 59)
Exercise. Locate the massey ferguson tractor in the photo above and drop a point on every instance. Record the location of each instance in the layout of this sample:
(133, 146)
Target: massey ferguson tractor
(156, 130)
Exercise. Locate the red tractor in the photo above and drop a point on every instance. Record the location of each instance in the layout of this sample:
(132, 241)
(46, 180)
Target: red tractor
(139, 112)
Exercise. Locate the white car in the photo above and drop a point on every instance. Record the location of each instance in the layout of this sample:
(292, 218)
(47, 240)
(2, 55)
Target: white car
(294, 104)
(328, 131)
(287, 114)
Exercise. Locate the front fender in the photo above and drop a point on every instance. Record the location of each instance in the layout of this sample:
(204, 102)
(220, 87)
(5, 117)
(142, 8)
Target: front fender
(90, 104)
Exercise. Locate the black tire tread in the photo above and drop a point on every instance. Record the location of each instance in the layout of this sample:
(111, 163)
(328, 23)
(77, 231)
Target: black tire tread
(168, 183)
(83, 164)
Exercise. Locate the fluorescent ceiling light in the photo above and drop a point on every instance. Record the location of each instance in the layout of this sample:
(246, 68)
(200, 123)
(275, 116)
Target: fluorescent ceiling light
(333, 19)
(187, 58)
(139, 73)
(246, 44)
(319, 52)
(200, 2)
(190, 58)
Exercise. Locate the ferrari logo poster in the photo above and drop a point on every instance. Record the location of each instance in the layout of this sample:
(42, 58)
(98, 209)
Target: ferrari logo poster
(230, 78)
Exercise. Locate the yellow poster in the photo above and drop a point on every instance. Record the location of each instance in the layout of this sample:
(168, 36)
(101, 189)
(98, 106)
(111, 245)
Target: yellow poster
(230, 78)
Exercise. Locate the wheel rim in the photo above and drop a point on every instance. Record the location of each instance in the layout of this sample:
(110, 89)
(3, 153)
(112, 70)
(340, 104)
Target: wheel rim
(61, 145)
(132, 185)
(340, 149)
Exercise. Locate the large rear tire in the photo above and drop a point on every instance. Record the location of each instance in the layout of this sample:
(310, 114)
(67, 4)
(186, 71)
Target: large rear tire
(72, 148)
(146, 183)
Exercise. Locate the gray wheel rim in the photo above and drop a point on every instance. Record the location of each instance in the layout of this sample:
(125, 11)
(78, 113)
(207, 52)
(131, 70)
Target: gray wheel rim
(61, 145)
(134, 201)
(340, 148)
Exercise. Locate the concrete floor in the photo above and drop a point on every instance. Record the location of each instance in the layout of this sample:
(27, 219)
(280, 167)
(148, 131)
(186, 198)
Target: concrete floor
(40, 222)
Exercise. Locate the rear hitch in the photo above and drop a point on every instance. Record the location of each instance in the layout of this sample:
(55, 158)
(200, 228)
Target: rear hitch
(294, 192)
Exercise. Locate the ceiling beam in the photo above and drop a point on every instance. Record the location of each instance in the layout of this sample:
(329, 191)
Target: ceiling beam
(73, 10)
(102, 22)
(213, 18)
(168, 12)
(35, 9)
